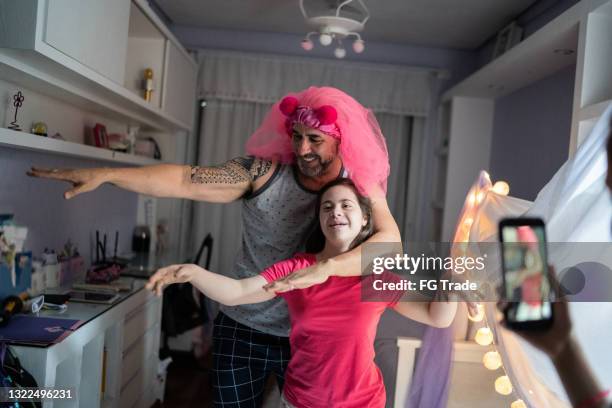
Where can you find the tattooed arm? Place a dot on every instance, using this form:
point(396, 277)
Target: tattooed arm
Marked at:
point(223, 183)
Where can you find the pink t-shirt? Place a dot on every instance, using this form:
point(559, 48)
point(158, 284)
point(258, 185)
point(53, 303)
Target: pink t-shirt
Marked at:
point(332, 341)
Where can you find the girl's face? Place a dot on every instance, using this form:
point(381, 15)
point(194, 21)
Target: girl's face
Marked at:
point(340, 215)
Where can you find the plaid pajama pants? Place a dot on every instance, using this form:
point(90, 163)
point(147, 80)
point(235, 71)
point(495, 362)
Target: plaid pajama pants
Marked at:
point(243, 359)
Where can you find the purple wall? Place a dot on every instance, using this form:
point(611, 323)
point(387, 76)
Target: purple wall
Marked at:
point(40, 206)
point(531, 132)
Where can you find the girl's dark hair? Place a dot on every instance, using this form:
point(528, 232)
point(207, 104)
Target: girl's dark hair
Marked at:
point(316, 240)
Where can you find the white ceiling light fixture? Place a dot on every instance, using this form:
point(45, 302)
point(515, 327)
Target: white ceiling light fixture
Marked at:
point(341, 20)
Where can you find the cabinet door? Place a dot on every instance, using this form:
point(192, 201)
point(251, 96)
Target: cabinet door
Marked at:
point(178, 98)
point(92, 32)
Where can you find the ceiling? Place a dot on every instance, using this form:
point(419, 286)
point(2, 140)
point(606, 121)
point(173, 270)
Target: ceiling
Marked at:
point(457, 24)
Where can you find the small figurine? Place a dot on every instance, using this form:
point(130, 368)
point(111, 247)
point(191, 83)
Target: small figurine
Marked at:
point(148, 84)
point(39, 128)
point(18, 99)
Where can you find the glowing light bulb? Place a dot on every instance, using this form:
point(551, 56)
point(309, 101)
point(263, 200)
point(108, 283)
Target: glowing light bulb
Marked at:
point(358, 46)
point(307, 44)
point(484, 336)
point(325, 39)
point(501, 187)
point(503, 385)
point(479, 197)
point(492, 360)
point(479, 313)
point(340, 52)
point(471, 199)
point(518, 404)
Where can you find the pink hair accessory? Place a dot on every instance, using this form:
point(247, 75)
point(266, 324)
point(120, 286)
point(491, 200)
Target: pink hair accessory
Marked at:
point(326, 114)
point(288, 105)
point(362, 149)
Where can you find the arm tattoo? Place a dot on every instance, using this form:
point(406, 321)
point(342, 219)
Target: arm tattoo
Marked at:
point(238, 170)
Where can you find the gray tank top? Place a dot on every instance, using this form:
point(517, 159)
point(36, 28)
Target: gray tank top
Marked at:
point(276, 220)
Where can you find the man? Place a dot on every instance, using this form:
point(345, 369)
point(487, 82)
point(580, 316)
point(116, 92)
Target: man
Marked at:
point(306, 140)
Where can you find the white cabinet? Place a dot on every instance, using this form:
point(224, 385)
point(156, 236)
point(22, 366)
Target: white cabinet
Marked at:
point(92, 54)
point(92, 32)
point(179, 95)
point(111, 360)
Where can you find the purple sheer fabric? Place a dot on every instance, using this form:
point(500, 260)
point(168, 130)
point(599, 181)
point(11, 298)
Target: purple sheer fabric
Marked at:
point(431, 379)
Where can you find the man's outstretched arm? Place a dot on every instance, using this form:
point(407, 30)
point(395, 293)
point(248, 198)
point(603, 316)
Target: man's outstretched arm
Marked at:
point(222, 183)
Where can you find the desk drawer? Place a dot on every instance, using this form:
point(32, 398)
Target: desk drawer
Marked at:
point(139, 321)
point(135, 358)
point(133, 391)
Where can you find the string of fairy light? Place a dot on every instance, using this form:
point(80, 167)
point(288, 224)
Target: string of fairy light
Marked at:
point(484, 335)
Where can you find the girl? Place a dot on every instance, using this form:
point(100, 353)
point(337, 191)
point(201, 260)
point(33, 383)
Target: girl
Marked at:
point(332, 328)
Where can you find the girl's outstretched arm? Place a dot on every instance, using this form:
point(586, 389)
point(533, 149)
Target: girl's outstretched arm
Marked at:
point(222, 289)
point(439, 313)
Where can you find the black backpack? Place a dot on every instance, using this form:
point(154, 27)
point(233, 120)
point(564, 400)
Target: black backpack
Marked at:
point(13, 375)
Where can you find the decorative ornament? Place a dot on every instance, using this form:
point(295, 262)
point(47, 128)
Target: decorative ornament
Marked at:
point(492, 360)
point(503, 385)
point(341, 20)
point(39, 128)
point(484, 336)
point(18, 99)
point(148, 84)
point(480, 313)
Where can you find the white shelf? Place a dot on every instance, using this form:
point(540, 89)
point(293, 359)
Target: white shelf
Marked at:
point(27, 141)
point(594, 111)
point(91, 91)
point(528, 62)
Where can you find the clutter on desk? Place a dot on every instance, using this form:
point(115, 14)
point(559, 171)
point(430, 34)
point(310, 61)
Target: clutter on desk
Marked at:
point(141, 239)
point(103, 271)
point(50, 268)
point(37, 330)
point(15, 263)
point(72, 265)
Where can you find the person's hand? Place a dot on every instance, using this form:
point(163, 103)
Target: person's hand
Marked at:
point(556, 338)
point(301, 279)
point(82, 180)
point(171, 274)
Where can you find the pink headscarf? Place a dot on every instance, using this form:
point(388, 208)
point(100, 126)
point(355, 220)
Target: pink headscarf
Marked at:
point(362, 145)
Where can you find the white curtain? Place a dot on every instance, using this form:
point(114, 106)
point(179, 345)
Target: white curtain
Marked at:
point(266, 78)
point(576, 207)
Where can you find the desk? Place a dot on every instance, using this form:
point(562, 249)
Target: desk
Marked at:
point(119, 342)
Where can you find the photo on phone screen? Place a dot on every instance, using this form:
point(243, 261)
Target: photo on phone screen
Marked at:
point(525, 268)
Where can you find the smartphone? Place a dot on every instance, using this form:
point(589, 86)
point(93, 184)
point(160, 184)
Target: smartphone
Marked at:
point(526, 280)
point(93, 297)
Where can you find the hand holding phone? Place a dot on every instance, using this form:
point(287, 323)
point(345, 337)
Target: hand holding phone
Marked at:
point(526, 276)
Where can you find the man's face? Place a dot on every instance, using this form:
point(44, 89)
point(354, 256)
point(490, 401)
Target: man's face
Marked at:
point(315, 151)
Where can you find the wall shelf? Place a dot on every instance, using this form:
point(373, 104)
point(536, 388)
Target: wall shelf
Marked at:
point(91, 91)
point(26, 141)
point(529, 61)
point(594, 111)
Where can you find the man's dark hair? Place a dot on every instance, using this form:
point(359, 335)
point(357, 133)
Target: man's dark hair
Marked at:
point(316, 240)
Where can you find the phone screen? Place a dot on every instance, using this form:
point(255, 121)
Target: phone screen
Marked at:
point(526, 283)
